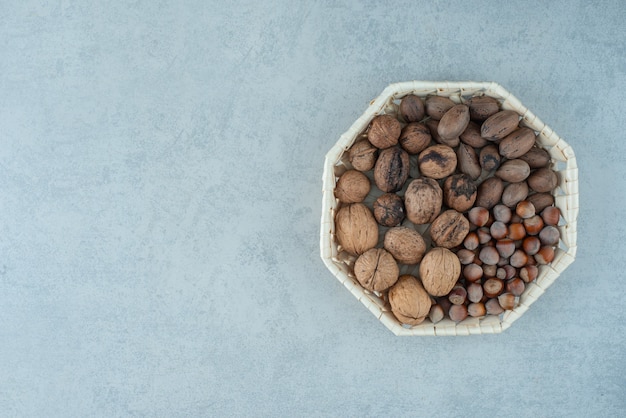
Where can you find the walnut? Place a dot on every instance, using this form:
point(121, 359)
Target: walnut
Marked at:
point(439, 270)
point(356, 228)
point(405, 244)
point(384, 131)
point(459, 192)
point(376, 270)
point(352, 187)
point(415, 137)
point(392, 169)
point(389, 209)
point(362, 155)
point(449, 229)
point(423, 199)
point(437, 161)
point(411, 108)
point(409, 301)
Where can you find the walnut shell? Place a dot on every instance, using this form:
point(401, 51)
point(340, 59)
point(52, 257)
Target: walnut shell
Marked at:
point(449, 229)
point(459, 192)
point(423, 199)
point(376, 270)
point(437, 161)
point(389, 209)
point(467, 161)
point(352, 187)
point(409, 301)
point(454, 122)
point(415, 137)
point(362, 155)
point(405, 244)
point(391, 169)
point(499, 125)
point(489, 192)
point(384, 131)
point(437, 106)
point(543, 180)
point(356, 228)
point(411, 108)
point(439, 270)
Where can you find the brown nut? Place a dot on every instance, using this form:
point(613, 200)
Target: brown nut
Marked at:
point(439, 270)
point(467, 161)
point(505, 247)
point(533, 225)
point(458, 295)
point(473, 273)
point(415, 137)
point(454, 122)
point(437, 106)
point(489, 192)
point(389, 209)
point(409, 301)
point(384, 131)
point(471, 136)
point(474, 292)
point(423, 200)
point(543, 180)
point(459, 192)
point(466, 256)
point(471, 241)
point(449, 229)
point(436, 313)
point(493, 307)
point(457, 313)
point(551, 215)
point(481, 107)
point(507, 301)
point(476, 309)
point(376, 270)
point(545, 255)
point(489, 158)
point(437, 161)
point(516, 231)
point(352, 187)
point(391, 169)
point(528, 273)
point(531, 245)
point(356, 228)
point(478, 216)
point(493, 287)
point(405, 244)
point(362, 155)
point(489, 255)
point(536, 157)
point(517, 143)
point(433, 125)
point(541, 200)
point(502, 213)
point(518, 259)
point(514, 193)
point(514, 171)
point(525, 209)
point(499, 125)
point(549, 235)
point(411, 108)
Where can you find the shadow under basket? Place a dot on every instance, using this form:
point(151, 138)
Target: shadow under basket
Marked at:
point(563, 162)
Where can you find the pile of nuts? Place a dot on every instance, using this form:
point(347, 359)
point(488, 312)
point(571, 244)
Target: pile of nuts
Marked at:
point(483, 200)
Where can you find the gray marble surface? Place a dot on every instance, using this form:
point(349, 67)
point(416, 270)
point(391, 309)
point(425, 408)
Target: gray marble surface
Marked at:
point(160, 190)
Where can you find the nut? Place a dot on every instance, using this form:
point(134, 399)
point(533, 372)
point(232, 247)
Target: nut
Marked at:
point(466, 256)
point(406, 245)
point(449, 229)
point(517, 143)
point(489, 158)
point(376, 270)
point(439, 270)
point(409, 301)
point(389, 209)
point(536, 157)
point(356, 228)
point(437, 161)
point(457, 313)
point(514, 171)
point(499, 125)
point(362, 155)
point(478, 216)
point(423, 199)
point(415, 137)
point(551, 215)
point(476, 309)
point(433, 125)
point(514, 193)
point(467, 161)
point(471, 136)
point(543, 180)
point(541, 201)
point(454, 122)
point(352, 187)
point(436, 313)
point(473, 273)
point(392, 169)
point(459, 192)
point(437, 106)
point(481, 107)
point(489, 192)
point(411, 108)
point(384, 131)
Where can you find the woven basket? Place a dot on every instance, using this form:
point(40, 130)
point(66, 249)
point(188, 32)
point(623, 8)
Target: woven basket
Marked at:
point(566, 199)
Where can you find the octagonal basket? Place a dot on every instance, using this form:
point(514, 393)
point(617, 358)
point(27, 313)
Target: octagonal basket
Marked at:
point(566, 199)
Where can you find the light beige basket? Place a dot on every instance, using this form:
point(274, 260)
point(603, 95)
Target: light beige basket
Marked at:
point(566, 198)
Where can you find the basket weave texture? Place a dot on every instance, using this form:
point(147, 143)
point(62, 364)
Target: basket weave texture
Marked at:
point(566, 199)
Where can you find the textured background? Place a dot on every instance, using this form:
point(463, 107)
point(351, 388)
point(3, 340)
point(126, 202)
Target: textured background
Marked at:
point(160, 177)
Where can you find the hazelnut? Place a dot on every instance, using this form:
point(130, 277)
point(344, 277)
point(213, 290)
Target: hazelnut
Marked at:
point(415, 137)
point(489, 255)
point(528, 273)
point(352, 187)
point(391, 169)
point(411, 108)
point(516, 231)
point(471, 241)
point(437, 161)
point(474, 292)
point(551, 215)
point(489, 270)
point(533, 225)
point(484, 236)
point(493, 307)
point(531, 245)
point(457, 295)
point(439, 270)
point(457, 313)
point(502, 213)
point(436, 313)
point(362, 155)
point(406, 245)
point(507, 301)
point(449, 229)
point(356, 229)
point(545, 255)
point(389, 209)
point(472, 272)
point(423, 199)
point(515, 286)
point(476, 309)
point(478, 216)
point(518, 258)
point(525, 209)
point(384, 131)
point(459, 192)
point(549, 235)
point(409, 301)
point(376, 270)
point(505, 247)
point(465, 256)
point(498, 230)
point(493, 287)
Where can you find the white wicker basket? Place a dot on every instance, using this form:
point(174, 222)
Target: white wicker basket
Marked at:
point(566, 199)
